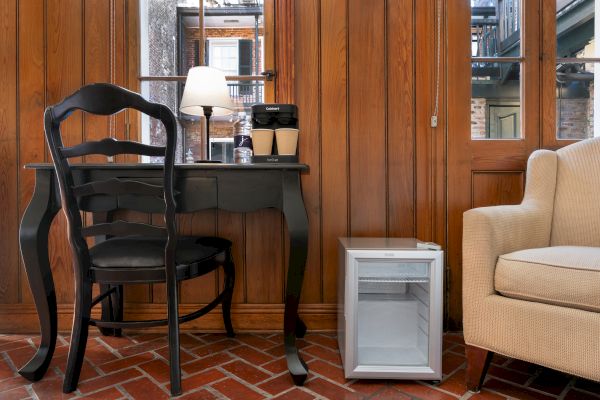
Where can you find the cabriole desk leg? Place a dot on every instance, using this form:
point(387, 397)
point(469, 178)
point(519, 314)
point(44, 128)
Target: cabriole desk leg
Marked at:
point(297, 222)
point(33, 238)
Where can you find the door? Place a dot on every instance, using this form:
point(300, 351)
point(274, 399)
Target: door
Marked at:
point(531, 85)
point(493, 59)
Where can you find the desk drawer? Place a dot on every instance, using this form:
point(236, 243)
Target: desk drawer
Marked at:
point(192, 194)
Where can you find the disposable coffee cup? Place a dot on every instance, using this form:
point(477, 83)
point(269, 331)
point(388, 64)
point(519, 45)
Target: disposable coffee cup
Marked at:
point(262, 142)
point(287, 141)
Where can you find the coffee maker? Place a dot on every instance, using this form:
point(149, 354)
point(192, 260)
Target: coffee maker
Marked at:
point(274, 116)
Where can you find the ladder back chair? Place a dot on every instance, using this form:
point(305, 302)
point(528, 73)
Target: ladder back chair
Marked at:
point(127, 252)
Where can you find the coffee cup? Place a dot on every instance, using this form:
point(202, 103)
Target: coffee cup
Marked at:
point(262, 142)
point(287, 141)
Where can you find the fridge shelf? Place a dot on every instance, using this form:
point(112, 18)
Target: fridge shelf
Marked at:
point(394, 280)
point(393, 356)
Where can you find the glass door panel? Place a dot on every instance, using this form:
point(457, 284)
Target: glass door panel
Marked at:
point(576, 54)
point(496, 100)
point(496, 69)
point(575, 100)
point(393, 313)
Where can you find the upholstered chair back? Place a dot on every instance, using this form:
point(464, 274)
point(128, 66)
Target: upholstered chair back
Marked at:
point(576, 219)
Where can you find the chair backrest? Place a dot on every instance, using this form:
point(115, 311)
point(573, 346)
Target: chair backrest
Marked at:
point(106, 99)
point(576, 219)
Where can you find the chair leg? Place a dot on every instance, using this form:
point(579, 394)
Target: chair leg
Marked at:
point(107, 311)
point(478, 362)
point(300, 327)
point(173, 317)
point(79, 334)
point(117, 307)
point(229, 269)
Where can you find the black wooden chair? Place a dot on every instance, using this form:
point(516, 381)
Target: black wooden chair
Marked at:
point(127, 252)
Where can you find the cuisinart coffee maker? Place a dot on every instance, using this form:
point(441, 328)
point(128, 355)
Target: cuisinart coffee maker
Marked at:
point(275, 116)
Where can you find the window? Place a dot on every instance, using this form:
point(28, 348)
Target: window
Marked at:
point(224, 54)
point(230, 36)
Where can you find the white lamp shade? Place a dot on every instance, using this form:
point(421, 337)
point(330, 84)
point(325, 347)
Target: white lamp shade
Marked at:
point(206, 86)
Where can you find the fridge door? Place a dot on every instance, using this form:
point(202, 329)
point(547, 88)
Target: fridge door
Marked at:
point(397, 316)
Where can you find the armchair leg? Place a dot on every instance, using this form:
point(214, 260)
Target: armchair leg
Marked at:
point(478, 362)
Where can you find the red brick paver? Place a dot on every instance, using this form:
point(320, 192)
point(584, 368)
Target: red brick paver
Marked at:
point(253, 366)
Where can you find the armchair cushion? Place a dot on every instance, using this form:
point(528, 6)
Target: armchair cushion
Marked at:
point(567, 276)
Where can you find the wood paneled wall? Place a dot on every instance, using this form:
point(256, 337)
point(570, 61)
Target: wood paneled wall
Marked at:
point(376, 166)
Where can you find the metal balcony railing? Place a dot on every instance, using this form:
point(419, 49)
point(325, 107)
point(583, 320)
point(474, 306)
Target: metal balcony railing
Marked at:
point(495, 28)
point(247, 93)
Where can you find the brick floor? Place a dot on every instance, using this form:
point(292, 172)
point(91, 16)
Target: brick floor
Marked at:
point(252, 366)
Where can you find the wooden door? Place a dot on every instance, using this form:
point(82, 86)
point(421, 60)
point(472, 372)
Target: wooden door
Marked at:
point(484, 166)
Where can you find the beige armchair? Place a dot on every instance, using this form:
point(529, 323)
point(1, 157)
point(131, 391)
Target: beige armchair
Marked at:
point(531, 272)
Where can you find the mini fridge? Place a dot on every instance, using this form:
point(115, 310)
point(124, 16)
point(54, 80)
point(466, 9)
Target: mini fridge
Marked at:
point(390, 308)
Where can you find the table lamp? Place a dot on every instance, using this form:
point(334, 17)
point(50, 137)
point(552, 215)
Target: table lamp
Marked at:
point(206, 93)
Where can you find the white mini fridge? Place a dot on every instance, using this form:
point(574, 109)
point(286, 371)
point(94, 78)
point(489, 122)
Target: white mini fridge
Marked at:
point(390, 309)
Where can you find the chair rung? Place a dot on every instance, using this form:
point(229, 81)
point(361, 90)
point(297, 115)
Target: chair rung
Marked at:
point(158, 322)
point(101, 297)
point(118, 186)
point(112, 147)
point(124, 228)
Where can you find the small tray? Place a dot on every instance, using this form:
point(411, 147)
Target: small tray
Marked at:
point(275, 159)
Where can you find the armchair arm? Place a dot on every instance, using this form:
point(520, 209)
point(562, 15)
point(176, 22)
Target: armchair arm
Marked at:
point(489, 232)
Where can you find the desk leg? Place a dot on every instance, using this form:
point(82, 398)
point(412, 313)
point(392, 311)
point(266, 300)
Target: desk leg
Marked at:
point(297, 222)
point(33, 237)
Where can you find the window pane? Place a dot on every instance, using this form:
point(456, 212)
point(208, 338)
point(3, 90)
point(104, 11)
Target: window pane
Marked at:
point(575, 101)
point(495, 28)
point(495, 101)
point(575, 28)
point(576, 82)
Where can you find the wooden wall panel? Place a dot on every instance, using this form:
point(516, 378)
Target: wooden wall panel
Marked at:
point(232, 226)
point(32, 101)
point(400, 119)
point(97, 64)
point(496, 188)
point(284, 49)
point(9, 284)
point(334, 142)
point(367, 117)
point(64, 39)
point(264, 257)
point(425, 81)
point(307, 90)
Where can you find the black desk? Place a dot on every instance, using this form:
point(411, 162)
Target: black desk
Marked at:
point(238, 188)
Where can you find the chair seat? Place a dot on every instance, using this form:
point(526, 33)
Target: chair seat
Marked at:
point(567, 276)
point(143, 252)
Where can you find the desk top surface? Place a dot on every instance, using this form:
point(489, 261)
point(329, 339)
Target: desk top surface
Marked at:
point(199, 166)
